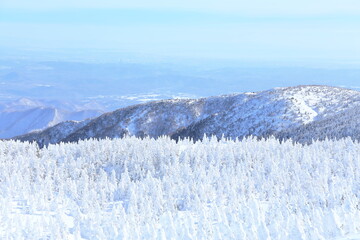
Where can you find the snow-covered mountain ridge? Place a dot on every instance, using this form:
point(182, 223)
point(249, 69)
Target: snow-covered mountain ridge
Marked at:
point(261, 114)
point(269, 112)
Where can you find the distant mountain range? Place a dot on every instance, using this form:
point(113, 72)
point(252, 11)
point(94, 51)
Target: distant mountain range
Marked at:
point(302, 113)
point(25, 115)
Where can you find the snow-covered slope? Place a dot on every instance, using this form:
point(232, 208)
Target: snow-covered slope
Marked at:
point(150, 119)
point(52, 134)
point(159, 189)
point(341, 125)
point(26, 115)
point(260, 114)
point(266, 113)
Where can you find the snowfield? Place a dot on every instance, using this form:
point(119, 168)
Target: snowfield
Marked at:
point(161, 189)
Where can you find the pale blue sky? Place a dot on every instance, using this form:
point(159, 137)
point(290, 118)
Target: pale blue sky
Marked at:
point(265, 30)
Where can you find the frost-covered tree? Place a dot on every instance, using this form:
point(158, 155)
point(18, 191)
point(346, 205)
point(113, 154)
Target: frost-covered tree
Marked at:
point(134, 188)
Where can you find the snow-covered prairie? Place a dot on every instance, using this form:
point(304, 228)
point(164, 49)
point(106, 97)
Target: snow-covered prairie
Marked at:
point(159, 189)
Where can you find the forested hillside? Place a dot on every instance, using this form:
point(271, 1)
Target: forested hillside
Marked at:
point(281, 112)
point(341, 125)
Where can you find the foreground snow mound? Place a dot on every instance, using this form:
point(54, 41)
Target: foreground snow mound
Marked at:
point(159, 189)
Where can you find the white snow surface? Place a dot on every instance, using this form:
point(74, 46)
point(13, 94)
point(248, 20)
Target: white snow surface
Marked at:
point(320, 101)
point(159, 189)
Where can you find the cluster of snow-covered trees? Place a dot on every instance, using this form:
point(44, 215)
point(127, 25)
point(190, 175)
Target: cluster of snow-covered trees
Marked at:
point(342, 125)
point(161, 189)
